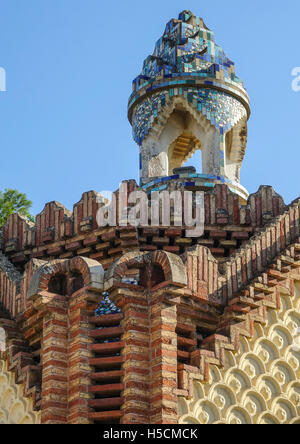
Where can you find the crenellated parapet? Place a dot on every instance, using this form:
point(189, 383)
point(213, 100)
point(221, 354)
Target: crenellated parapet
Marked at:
point(60, 234)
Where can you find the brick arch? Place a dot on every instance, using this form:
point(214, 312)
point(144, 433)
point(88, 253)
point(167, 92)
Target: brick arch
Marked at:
point(172, 266)
point(91, 271)
point(117, 270)
point(40, 280)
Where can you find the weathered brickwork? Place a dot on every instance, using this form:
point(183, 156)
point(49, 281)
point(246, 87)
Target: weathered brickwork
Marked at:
point(144, 324)
point(179, 314)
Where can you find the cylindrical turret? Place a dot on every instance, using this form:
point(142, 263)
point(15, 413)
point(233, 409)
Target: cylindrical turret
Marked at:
point(187, 98)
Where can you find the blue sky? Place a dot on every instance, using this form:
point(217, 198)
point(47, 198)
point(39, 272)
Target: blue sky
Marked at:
point(70, 64)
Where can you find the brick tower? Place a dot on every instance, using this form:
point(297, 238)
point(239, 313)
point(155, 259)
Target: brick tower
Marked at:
point(141, 324)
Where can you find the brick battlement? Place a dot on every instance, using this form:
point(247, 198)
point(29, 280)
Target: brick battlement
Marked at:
point(58, 233)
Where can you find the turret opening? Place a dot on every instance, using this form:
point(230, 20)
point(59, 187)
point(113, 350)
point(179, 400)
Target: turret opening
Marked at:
point(185, 152)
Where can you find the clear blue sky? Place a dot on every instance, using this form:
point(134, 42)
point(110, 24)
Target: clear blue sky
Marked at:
point(70, 64)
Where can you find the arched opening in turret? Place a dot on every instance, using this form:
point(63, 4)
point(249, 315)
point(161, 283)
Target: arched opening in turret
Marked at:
point(195, 161)
point(184, 134)
point(185, 142)
point(185, 151)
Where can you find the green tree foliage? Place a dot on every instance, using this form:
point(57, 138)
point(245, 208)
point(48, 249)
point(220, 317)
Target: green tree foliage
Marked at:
point(11, 201)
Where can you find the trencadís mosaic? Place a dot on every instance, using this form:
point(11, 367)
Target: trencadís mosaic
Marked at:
point(221, 109)
point(187, 46)
point(187, 62)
